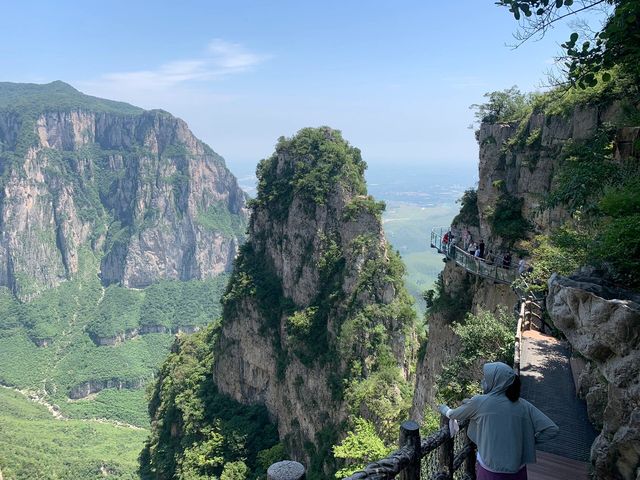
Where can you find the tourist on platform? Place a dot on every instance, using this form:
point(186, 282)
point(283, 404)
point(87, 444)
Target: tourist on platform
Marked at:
point(505, 427)
point(490, 258)
point(506, 261)
point(472, 248)
point(481, 248)
point(522, 266)
point(466, 238)
point(452, 246)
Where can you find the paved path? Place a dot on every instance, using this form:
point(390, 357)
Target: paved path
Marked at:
point(548, 384)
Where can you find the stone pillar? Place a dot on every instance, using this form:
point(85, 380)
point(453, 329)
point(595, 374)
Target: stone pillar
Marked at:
point(286, 470)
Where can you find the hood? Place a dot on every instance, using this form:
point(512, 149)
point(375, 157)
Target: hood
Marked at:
point(497, 377)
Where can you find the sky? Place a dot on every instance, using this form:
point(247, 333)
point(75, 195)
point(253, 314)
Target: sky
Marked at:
point(397, 77)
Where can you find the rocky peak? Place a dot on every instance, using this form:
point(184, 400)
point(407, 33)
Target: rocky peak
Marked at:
point(316, 298)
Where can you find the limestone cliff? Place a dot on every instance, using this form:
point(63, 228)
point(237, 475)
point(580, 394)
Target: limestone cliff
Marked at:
point(316, 305)
point(520, 169)
point(134, 186)
point(603, 326)
point(469, 294)
point(520, 159)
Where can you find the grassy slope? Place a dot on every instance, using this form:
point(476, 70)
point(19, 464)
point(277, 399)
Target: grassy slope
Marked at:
point(34, 445)
point(408, 228)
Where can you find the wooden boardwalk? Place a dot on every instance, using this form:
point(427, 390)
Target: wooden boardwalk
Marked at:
point(548, 384)
point(555, 467)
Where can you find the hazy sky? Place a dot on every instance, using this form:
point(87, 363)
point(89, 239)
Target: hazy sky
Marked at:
point(397, 77)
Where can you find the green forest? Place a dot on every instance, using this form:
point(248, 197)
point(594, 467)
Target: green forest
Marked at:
point(51, 345)
point(35, 446)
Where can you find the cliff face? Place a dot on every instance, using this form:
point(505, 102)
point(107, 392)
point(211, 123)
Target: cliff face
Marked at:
point(471, 294)
point(518, 170)
point(603, 326)
point(520, 159)
point(134, 186)
point(316, 300)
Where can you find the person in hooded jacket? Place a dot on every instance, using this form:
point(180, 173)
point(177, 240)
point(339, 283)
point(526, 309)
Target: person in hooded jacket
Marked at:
point(505, 427)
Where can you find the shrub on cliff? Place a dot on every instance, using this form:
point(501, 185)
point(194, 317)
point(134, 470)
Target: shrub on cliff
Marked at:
point(323, 159)
point(468, 214)
point(601, 194)
point(360, 447)
point(453, 304)
point(506, 218)
point(484, 337)
point(618, 241)
point(503, 106)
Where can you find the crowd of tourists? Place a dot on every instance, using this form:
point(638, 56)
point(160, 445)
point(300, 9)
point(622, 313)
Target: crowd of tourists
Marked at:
point(453, 241)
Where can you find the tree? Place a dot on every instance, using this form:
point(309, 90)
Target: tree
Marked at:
point(361, 446)
point(502, 106)
point(587, 63)
point(235, 471)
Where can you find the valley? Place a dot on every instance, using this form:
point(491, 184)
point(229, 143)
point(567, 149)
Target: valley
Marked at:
point(33, 443)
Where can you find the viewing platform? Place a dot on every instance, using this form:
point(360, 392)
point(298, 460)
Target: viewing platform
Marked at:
point(495, 271)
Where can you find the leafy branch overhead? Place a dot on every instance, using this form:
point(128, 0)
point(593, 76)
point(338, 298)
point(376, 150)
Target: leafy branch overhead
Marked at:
point(586, 61)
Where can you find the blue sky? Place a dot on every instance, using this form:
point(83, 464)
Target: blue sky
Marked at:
point(396, 77)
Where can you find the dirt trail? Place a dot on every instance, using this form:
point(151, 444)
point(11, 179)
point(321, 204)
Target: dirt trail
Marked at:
point(36, 397)
point(58, 415)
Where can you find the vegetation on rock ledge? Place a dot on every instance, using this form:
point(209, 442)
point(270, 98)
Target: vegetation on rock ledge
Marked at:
point(198, 433)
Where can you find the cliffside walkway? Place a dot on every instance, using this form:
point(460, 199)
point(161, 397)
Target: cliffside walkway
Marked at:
point(547, 382)
point(545, 372)
point(474, 265)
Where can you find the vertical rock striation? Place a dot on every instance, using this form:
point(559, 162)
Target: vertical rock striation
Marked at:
point(520, 159)
point(134, 186)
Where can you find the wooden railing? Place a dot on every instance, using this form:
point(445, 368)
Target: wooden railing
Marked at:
point(478, 266)
point(438, 457)
point(530, 317)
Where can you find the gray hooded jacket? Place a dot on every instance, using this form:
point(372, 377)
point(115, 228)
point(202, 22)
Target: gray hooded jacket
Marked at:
point(505, 432)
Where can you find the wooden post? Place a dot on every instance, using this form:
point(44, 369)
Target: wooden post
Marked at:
point(445, 452)
point(286, 470)
point(410, 436)
point(470, 461)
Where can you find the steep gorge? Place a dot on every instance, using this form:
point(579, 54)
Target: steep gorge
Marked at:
point(317, 325)
point(539, 178)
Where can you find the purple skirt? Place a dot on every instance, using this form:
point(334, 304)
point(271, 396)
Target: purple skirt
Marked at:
point(484, 474)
